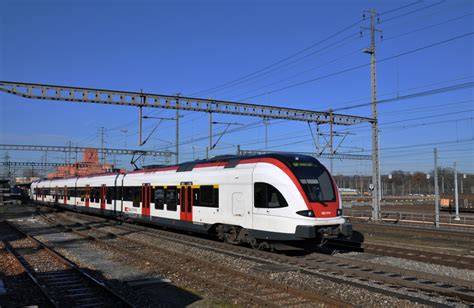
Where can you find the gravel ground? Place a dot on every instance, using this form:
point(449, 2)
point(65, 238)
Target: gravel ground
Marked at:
point(345, 293)
point(21, 289)
point(36, 256)
point(413, 265)
point(107, 265)
point(114, 262)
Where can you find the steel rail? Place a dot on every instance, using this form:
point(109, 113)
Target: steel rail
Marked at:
point(29, 273)
point(329, 265)
point(460, 262)
point(417, 231)
point(139, 99)
point(112, 297)
point(257, 290)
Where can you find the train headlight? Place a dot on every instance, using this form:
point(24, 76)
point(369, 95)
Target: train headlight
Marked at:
point(307, 213)
point(339, 212)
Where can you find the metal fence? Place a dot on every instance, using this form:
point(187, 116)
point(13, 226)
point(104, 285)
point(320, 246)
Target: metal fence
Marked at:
point(465, 221)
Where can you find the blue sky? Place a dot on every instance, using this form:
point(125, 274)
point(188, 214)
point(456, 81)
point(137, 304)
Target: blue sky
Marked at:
point(189, 46)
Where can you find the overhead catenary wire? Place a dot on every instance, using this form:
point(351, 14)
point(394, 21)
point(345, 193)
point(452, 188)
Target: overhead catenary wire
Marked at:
point(361, 66)
point(356, 51)
point(300, 52)
point(281, 60)
point(413, 11)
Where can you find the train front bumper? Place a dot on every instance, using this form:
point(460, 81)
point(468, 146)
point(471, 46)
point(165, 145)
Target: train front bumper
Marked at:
point(308, 232)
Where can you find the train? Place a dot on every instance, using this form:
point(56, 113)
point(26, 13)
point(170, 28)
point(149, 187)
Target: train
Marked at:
point(256, 200)
point(465, 203)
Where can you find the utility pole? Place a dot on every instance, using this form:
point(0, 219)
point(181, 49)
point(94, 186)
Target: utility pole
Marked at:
point(177, 128)
point(436, 188)
point(102, 144)
point(375, 137)
point(456, 196)
point(317, 138)
point(442, 184)
point(162, 119)
point(330, 139)
point(210, 130)
point(266, 121)
point(142, 98)
point(69, 152)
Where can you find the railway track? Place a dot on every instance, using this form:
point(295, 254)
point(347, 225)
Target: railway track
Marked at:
point(451, 237)
point(254, 289)
point(60, 280)
point(377, 278)
point(460, 262)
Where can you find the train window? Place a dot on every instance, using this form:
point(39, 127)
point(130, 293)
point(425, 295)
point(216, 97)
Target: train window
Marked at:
point(136, 196)
point(126, 193)
point(315, 180)
point(267, 196)
point(95, 194)
point(80, 192)
point(171, 198)
point(159, 197)
point(109, 194)
point(207, 196)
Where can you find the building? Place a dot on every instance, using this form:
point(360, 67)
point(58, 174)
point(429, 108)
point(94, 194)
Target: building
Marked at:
point(88, 165)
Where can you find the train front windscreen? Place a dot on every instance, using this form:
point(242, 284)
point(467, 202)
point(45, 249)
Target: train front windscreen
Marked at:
point(315, 181)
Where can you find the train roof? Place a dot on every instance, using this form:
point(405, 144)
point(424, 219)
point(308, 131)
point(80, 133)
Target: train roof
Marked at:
point(230, 161)
point(227, 161)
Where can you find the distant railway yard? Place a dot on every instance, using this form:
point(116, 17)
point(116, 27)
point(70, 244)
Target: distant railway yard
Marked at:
point(139, 265)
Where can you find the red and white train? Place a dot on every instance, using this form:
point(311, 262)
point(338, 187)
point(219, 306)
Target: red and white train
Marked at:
point(250, 199)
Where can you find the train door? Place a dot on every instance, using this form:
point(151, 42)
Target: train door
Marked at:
point(146, 197)
point(238, 206)
point(87, 192)
point(186, 202)
point(65, 194)
point(103, 193)
point(56, 194)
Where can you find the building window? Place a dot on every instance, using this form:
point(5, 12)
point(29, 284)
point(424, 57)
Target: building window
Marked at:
point(267, 196)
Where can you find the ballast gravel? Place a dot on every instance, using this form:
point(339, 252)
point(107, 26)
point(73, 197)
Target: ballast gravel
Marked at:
point(447, 271)
point(348, 294)
point(297, 279)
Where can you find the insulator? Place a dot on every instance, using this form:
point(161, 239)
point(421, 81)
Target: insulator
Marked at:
point(381, 37)
point(363, 16)
point(378, 20)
